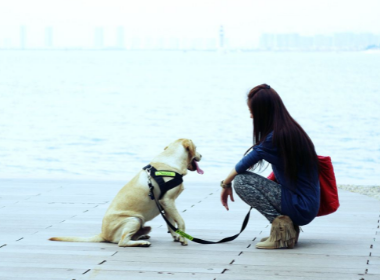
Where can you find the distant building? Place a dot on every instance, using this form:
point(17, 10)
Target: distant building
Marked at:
point(23, 37)
point(267, 41)
point(49, 37)
point(282, 42)
point(221, 37)
point(174, 43)
point(120, 44)
point(7, 43)
point(136, 43)
point(343, 41)
point(99, 38)
point(305, 43)
point(323, 42)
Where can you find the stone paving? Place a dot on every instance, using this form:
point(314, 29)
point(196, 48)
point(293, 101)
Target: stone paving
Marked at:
point(344, 245)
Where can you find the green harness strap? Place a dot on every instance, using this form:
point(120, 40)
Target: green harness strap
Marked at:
point(164, 186)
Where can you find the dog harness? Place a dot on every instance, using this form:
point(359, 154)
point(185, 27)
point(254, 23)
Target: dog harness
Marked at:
point(158, 175)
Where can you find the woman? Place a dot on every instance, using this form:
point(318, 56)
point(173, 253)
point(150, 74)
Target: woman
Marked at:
point(281, 141)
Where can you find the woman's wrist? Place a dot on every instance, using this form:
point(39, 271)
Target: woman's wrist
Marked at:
point(227, 183)
point(225, 186)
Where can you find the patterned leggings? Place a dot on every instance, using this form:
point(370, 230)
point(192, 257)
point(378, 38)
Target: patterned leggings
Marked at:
point(259, 192)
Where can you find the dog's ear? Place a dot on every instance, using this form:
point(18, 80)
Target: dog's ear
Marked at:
point(189, 146)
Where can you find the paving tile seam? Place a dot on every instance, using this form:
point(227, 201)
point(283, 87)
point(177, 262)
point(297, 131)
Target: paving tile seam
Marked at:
point(83, 212)
point(179, 274)
point(30, 196)
point(24, 237)
point(198, 202)
point(371, 247)
point(228, 266)
point(54, 224)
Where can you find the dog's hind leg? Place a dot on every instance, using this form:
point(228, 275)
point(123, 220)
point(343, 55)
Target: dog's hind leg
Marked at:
point(142, 233)
point(131, 226)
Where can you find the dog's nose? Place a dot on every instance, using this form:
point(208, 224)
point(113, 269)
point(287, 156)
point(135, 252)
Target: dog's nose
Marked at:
point(200, 156)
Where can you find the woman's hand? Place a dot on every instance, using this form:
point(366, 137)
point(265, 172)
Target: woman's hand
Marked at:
point(226, 192)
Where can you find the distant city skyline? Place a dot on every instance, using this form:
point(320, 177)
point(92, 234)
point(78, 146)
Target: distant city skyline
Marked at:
point(346, 41)
point(180, 22)
point(100, 38)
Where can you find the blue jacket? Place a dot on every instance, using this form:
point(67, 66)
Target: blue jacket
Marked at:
point(300, 201)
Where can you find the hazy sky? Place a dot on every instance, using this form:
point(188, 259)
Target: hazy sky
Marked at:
point(242, 19)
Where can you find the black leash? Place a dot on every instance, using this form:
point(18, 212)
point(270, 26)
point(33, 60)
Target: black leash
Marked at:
point(184, 234)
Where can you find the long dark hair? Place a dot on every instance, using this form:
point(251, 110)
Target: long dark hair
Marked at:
point(293, 144)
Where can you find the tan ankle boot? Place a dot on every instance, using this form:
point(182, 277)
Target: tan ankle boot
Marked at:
point(282, 234)
point(297, 229)
point(264, 239)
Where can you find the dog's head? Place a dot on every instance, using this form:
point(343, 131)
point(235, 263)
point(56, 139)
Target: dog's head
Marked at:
point(193, 156)
point(186, 149)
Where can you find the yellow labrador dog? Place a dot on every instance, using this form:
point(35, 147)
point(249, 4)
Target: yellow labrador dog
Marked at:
point(124, 220)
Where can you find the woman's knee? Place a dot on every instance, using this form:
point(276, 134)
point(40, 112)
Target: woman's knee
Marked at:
point(239, 183)
point(238, 180)
point(246, 179)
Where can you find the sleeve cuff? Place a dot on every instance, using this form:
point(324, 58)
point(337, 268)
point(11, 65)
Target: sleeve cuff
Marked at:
point(249, 160)
point(239, 168)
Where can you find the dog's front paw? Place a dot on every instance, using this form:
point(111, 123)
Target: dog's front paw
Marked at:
point(175, 237)
point(134, 244)
point(183, 241)
point(145, 244)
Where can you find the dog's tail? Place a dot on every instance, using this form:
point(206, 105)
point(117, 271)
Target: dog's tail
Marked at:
point(95, 238)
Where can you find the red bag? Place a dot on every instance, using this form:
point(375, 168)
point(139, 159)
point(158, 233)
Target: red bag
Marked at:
point(329, 192)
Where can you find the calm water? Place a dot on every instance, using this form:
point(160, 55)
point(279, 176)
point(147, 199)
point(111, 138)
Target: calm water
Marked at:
point(105, 114)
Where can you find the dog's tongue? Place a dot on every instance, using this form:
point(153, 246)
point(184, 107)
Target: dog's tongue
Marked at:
point(200, 171)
